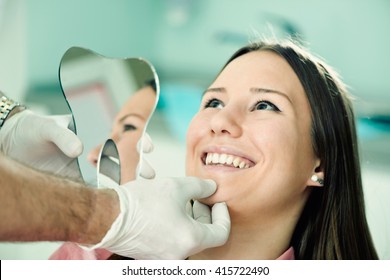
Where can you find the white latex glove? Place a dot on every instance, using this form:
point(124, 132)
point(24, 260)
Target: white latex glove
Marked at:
point(144, 168)
point(43, 142)
point(200, 212)
point(154, 224)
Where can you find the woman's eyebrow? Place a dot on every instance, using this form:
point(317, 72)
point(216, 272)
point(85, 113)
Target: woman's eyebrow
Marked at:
point(219, 89)
point(253, 90)
point(131, 115)
point(267, 90)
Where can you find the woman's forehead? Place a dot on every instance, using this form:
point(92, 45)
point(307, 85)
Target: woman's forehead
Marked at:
point(262, 69)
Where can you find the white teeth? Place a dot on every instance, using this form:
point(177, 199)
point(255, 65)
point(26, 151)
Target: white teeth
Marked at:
point(209, 159)
point(236, 162)
point(229, 160)
point(224, 159)
point(215, 158)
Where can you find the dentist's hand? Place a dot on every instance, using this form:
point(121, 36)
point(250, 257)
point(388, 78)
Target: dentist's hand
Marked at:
point(154, 224)
point(43, 142)
point(200, 212)
point(144, 169)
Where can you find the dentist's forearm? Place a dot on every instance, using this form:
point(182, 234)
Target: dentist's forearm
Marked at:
point(36, 206)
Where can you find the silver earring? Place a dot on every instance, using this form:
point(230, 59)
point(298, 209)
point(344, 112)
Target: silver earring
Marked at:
point(318, 180)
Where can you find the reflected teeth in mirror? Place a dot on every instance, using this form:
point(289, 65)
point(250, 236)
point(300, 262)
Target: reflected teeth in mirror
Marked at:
point(224, 159)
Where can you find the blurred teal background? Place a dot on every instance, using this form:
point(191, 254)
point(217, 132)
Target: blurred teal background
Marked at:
point(188, 41)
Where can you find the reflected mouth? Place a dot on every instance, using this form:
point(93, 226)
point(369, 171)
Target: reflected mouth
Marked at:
point(223, 159)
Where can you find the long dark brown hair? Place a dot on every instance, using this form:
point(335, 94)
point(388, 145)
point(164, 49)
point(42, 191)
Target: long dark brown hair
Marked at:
point(333, 224)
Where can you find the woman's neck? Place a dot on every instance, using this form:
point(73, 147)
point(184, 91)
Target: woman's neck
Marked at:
point(267, 239)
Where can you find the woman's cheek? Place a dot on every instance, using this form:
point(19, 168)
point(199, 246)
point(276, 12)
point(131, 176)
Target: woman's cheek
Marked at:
point(190, 145)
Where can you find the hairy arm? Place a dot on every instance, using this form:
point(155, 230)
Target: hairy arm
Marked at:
point(36, 206)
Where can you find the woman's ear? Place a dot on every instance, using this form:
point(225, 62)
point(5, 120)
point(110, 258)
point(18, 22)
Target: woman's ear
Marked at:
point(317, 177)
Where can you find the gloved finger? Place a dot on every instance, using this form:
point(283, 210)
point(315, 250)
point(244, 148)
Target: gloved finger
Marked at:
point(63, 138)
point(195, 188)
point(145, 170)
point(217, 233)
point(201, 212)
point(189, 209)
point(146, 142)
point(61, 120)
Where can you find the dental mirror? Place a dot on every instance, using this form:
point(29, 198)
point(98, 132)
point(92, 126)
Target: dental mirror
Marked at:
point(108, 98)
point(108, 166)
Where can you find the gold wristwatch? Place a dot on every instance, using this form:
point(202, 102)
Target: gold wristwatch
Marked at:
point(7, 106)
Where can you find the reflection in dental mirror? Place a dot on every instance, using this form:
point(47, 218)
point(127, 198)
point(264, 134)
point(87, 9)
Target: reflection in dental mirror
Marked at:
point(109, 98)
point(108, 166)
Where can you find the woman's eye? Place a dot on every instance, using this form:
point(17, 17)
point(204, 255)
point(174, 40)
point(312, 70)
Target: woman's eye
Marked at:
point(129, 127)
point(266, 105)
point(214, 103)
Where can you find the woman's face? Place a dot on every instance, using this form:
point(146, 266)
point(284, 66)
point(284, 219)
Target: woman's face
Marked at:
point(252, 136)
point(127, 130)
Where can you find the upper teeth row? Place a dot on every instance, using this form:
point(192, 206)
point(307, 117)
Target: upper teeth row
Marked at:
point(214, 158)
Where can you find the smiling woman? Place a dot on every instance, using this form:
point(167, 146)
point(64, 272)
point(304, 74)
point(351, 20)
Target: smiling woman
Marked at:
point(276, 132)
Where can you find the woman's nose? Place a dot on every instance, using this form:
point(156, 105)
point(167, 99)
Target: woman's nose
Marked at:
point(226, 122)
point(93, 155)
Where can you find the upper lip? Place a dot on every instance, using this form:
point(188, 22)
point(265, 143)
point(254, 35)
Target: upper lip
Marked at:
point(226, 150)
